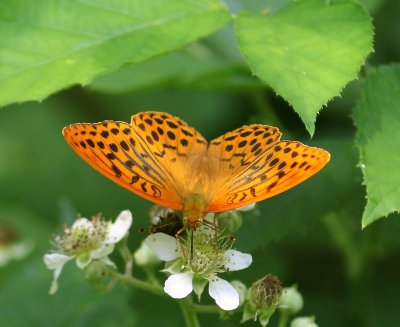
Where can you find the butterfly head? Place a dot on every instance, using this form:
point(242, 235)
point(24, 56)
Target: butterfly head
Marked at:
point(194, 210)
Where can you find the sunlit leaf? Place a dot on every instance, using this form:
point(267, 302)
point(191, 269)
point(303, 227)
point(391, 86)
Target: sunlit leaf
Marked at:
point(308, 51)
point(49, 45)
point(377, 118)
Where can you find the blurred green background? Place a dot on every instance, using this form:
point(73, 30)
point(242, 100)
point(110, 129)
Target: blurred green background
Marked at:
point(310, 235)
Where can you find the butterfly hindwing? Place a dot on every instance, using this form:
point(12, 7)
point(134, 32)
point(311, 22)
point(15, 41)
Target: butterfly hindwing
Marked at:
point(279, 167)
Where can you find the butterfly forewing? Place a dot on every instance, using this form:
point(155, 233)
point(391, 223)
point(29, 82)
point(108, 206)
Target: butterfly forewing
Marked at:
point(135, 156)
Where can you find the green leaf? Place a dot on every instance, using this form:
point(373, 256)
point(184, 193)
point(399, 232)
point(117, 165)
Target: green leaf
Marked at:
point(193, 68)
point(50, 45)
point(377, 118)
point(308, 51)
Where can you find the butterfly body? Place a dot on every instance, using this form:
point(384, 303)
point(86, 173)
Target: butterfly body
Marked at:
point(162, 159)
point(194, 210)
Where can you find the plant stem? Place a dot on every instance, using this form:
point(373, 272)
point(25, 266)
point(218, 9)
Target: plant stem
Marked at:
point(127, 256)
point(189, 314)
point(283, 318)
point(345, 243)
point(208, 309)
point(155, 289)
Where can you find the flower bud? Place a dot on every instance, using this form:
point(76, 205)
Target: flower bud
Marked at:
point(265, 292)
point(303, 322)
point(291, 300)
point(262, 299)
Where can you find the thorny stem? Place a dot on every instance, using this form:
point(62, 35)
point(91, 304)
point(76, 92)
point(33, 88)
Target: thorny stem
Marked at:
point(189, 314)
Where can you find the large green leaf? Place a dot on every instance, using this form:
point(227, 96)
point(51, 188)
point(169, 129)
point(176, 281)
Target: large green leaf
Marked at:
point(377, 118)
point(47, 45)
point(186, 69)
point(308, 51)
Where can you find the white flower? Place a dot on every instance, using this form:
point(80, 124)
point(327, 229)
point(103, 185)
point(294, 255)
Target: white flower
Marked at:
point(85, 241)
point(199, 264)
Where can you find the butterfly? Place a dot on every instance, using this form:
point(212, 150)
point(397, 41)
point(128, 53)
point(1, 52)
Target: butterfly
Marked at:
point(162, 159)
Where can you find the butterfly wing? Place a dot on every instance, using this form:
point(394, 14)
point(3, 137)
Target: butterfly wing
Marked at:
point(255, 165)
point(140, 156)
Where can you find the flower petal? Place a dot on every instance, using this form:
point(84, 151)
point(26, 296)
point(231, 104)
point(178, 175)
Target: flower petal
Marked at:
point(102, 251)
point(53, 260)
point(180, 285)
point(236, 260)
point(56, 262)
point(224, 294)
point(119, 228)
point(164, 246)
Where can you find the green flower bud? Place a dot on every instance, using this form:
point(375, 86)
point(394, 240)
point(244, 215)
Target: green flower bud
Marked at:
point(291, 300)
point(303, 322)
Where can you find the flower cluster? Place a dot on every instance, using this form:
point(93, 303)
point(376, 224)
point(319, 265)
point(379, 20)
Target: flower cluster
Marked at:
point(85, 241)
point(196, 261)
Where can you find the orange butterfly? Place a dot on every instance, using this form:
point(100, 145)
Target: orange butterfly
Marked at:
point(160, 158)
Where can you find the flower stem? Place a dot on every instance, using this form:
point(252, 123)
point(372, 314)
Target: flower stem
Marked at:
point(126, 255)
point(283, 318)
point(189, 314)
